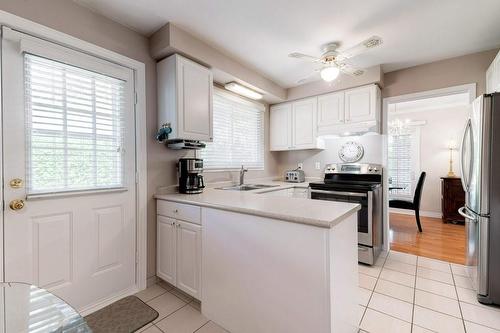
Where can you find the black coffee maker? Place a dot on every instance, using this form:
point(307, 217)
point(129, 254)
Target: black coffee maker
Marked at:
point(190, 175)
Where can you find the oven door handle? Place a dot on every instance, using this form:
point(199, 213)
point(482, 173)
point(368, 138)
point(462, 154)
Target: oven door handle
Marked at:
point(346, 194)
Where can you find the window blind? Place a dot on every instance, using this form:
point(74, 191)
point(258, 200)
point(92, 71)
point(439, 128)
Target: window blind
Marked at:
point(238, 134)
point(74, 130)
point(401, 161)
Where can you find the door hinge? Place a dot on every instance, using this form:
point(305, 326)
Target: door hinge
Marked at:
point(137, 177)
point(135, 98)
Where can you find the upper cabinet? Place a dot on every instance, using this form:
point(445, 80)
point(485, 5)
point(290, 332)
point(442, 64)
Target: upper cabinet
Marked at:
point(493, 76)
point(185, 98)
point(355, 110)
point(293, 126)
point(302, 123)
point(281, 127)
point(361, 104)
point(331, 109)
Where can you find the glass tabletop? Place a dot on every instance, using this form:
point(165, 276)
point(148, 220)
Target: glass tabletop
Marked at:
point(26, 308)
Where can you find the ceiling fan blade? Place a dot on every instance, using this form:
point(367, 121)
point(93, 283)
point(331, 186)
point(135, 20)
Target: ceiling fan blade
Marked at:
point(350, 70)
point(364, 46)
point(298, 55)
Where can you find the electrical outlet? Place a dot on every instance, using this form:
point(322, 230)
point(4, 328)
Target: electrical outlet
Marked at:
point(317, 165)
point(300, 165)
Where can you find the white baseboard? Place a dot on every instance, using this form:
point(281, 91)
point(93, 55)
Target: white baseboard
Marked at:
point(107, 301)
point(425, 213)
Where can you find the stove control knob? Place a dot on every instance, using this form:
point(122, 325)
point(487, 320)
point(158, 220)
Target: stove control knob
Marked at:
point(375, 170)
point(369, 169)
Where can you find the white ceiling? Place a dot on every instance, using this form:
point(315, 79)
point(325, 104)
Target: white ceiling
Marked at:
point(261, 33)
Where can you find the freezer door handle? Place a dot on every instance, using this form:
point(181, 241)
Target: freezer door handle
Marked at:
point(466, 175)
point(462, 211)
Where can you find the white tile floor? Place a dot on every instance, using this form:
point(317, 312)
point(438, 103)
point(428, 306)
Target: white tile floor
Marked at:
point(400, 293)
point(405, 293)
point(179, 313)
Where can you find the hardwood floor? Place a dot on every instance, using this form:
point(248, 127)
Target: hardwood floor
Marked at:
point(438, 240)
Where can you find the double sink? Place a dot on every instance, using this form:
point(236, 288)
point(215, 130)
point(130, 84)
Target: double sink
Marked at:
point(246, 187)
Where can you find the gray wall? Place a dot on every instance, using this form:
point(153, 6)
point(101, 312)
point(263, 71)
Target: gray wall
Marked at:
point(469, 68)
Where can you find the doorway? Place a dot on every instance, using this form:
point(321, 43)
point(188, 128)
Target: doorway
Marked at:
point(423, 137)
point(69, 162)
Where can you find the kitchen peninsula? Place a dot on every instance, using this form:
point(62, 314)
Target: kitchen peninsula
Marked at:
point(261, 262)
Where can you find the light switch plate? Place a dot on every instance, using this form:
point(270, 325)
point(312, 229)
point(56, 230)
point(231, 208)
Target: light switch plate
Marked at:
point(317, 165)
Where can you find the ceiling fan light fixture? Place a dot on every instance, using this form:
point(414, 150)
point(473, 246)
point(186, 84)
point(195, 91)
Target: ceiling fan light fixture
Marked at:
point(329, 73)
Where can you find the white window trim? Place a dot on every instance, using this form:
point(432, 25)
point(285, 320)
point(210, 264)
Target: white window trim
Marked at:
point(242, 100)
point(139, 68)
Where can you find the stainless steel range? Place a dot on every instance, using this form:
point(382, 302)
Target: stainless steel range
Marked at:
point(357, 183)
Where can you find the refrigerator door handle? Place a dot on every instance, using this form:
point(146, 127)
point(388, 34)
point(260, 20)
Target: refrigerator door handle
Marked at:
point(465, 181)
point(462, 211)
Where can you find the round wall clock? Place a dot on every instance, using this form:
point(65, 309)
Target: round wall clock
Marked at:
point(351, 152)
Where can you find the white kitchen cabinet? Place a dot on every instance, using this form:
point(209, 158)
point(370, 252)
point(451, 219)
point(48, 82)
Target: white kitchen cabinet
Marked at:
point(304, 124)
point(489, 78)
point(493, 76)
point(166, 249)
point(361, 104)
point(189, 258)
point(185, 91)
point(293, 126)
point(330, 110)
point(179, 246)
point(281, 127)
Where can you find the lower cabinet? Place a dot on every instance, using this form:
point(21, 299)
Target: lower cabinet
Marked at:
point(179, 254)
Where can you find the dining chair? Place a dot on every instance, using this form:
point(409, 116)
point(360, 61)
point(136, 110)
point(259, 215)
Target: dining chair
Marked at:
point(415, 203)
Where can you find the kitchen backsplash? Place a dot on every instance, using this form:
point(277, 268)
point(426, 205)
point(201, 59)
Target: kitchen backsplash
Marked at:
point(373, 153)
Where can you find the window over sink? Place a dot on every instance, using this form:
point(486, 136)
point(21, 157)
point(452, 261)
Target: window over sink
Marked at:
point(238, 134)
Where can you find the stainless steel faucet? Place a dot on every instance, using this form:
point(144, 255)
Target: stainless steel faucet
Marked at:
point(242, 175)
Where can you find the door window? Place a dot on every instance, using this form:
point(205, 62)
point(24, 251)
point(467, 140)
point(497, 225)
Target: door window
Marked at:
point(74, 128)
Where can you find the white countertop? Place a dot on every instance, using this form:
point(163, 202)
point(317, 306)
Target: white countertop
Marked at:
point(318, 213)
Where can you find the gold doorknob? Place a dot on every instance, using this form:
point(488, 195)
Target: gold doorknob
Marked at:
point(16, 204)
point(16, 183)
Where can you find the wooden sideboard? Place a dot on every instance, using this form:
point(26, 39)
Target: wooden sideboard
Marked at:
point(452, 198)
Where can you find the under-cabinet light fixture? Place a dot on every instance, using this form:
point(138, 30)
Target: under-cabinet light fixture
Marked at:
point(242, 90)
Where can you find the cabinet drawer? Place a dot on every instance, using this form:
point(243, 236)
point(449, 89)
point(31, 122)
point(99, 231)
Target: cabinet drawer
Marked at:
point(179, 211)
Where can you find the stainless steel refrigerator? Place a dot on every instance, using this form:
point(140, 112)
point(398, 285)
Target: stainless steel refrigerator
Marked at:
point(480, 173)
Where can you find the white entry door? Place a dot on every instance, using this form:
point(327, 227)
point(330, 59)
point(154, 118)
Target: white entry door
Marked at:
point(69, 171)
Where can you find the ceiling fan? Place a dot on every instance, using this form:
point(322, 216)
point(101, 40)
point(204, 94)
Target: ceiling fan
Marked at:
point(333, 62)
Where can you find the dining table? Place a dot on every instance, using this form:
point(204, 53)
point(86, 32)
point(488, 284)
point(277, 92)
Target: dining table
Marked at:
point(28, 308)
